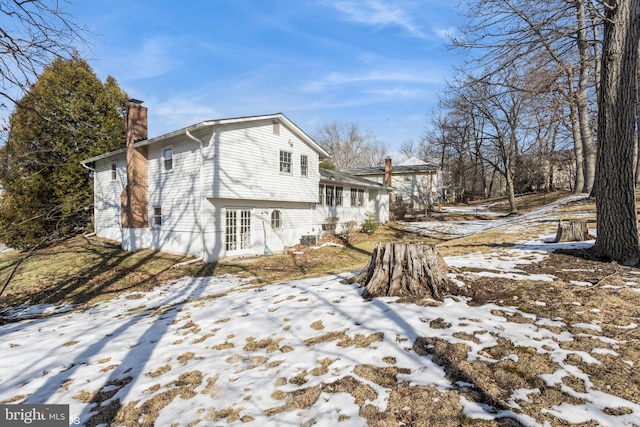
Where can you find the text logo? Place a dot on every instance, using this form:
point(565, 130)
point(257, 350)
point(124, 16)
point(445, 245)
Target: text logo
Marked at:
point(34, 415)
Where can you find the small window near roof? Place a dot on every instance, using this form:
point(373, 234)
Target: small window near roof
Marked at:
point(276, 220)
point(167, 155)
point(114, 170)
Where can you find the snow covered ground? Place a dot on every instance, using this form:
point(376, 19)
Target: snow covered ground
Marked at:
point(222, 351)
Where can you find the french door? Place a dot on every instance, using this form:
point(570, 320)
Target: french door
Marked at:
point(237, 231)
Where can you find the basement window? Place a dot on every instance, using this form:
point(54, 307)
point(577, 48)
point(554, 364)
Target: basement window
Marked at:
point(157, 216)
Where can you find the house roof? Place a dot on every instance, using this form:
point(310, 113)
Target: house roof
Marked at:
point(332, 176)
point(402, 169)
point(280, 117)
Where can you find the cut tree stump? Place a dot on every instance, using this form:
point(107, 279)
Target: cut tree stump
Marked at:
point(413, 270)
point(572, 231)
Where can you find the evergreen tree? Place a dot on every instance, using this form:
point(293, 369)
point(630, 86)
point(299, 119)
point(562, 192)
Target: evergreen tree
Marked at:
point(67, 115)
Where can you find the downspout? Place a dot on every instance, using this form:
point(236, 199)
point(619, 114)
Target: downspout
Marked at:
point(201, 191)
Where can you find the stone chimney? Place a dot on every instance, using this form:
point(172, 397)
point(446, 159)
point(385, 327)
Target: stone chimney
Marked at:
point(135, 213)
point(387, 177)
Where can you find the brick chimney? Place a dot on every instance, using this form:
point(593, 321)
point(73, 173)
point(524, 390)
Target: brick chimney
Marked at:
point(135, 213)
point(387, 177)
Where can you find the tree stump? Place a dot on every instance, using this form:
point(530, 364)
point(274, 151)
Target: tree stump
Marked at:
point(572, 231)
point(412, 270)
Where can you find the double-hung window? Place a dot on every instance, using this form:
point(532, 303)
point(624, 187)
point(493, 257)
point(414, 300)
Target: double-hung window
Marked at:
point(285, 162)
point(167, 156)
point(157, 216)
point(330, 195)
point(114, 170)
point(304, 165)
point(357, 197)
point(339, 191)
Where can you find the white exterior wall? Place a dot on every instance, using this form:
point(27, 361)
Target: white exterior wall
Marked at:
point(296, 222)
point(376, 206)
point(244, 163)
point(416, 189)
point(177, 193)
point(107, 218)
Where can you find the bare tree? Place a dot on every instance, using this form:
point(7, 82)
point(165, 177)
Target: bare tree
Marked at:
point(32, 34)
point(349, 147)
point(511, 32)
point(617, 223)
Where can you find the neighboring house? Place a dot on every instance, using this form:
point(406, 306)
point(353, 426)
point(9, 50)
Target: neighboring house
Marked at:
point(237, 186)
point(414, 182)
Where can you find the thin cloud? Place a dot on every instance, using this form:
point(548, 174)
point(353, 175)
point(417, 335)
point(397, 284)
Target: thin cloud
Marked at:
point(335, 79)
point(377, 12)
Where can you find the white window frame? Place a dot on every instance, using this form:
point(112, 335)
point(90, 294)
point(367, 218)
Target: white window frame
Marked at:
point(357, 197)
point(167, 162)
point(157, 216)
point(304, 165)
point(276, 219)
point(339, 195)
point(286, 162)
point(330, 195)
point(114, 170)
point(321, 196)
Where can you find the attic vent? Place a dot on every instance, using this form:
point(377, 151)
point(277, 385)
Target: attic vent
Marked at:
point(276, 127)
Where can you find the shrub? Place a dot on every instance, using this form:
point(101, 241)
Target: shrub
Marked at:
point(370, 225)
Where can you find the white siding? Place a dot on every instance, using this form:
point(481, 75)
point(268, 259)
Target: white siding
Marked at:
point(244, 163)
point(376, 207)
point(296, 221)
point(107, 197)
point(177, 193)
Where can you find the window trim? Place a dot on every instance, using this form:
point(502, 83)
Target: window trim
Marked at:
point(157, 216)
point(357, 197)
point(304, 165)
point(166, 160)
point(288, 166)
point(276, 219)
point(114, 170)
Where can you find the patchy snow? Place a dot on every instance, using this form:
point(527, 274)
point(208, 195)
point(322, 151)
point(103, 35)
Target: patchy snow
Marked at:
point(243, 340)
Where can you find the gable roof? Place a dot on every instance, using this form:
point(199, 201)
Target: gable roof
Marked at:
point(280, 117)
point(332, 176)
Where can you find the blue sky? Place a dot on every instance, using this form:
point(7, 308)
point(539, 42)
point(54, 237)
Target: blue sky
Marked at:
point(380, 64)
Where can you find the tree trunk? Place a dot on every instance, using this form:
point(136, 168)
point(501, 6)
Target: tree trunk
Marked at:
point(572, 231)
point(589, 148)
point(617, 225)
point(577, 140)
point(408, 270)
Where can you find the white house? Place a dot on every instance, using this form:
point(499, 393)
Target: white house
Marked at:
point(219, 188)
point(414, 182)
